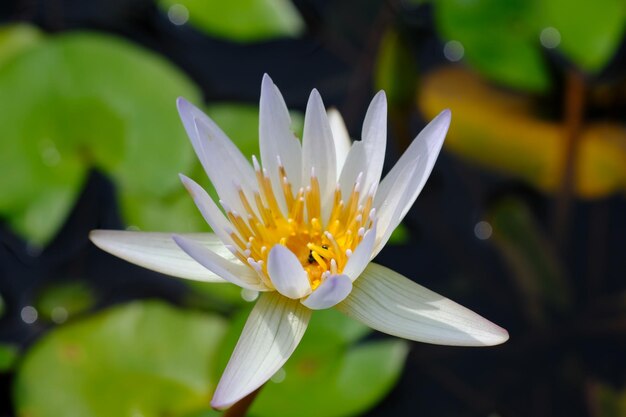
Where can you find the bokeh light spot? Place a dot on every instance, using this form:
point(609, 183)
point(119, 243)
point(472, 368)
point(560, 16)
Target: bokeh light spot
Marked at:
point(483, 230)
point(453, 51)
point(59, 315)
point(178, 14)
point(29, 314)
point(279, 376)
point(550, 37)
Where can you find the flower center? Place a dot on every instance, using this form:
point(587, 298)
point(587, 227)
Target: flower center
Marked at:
point(322, 246)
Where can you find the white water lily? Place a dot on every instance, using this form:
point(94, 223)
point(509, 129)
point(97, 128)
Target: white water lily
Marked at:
point(302, 227)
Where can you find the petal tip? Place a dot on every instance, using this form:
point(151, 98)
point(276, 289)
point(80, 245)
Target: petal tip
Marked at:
point(221, 403)
point(500, 335)
point(315, 97)
point(381, 95)
point(445, 114)
point(182, 104)
point(95, 236)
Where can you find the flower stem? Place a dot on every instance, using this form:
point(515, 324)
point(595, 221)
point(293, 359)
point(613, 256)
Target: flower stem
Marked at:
point(240, 408)
point(574, 109)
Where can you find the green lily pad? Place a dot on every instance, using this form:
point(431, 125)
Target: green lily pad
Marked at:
point(176, 211)
point(17, 38)
point(8, 357)
point(143, 358)
point(592, 44)
point(101, 102)
point(238, 20)
point(322, 376)
point(500, 39)
point(64, 300)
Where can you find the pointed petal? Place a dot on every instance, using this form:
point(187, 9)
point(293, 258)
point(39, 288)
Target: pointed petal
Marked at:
point(209, 210)
point(236, 273)
point(390, 208)
point(225, 165)
point(356, 163)
point(276, 139)
point(341, 137)
point(374, 138)
point(287, 274)
point(361, 255)
point(318, 150)
point(393, 304)
point(273, 330)
point(367, 156)
point(332, 291)
point(399, 189)
point(159, 252)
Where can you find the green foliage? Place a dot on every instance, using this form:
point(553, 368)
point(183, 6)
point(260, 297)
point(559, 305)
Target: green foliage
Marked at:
point(241, 20)
point(8, 357)
point(61, 301)
point(395, 72)
point(15, 39)
point(502, 38)
point(143, 358)
point(591, 31)
point(499, 38)
point(100, 102)
point(324, 371)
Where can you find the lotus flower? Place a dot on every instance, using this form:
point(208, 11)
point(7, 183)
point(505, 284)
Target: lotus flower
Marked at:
point(302, 227)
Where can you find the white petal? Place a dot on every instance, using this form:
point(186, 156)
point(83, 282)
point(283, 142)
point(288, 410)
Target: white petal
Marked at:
point(422, 154)
point(236, 273)
point(223, 162)
point(341, 137)
point(389, 209)
point(374, 138)
point(318, 150)
point(361, 255)
point(332, 291)
point(158, 252)
point(356, 163)
point(209, 210)
point(276, 139)
point(391, 303)
point(287, 274)
point(271, 334)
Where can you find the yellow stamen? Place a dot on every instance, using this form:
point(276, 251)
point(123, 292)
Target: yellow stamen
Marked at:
point(321, 246)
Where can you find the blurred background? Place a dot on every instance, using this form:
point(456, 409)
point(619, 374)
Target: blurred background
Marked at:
point(523, 219)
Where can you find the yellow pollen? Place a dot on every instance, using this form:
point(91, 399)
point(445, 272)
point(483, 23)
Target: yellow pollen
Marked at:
point(321, 245)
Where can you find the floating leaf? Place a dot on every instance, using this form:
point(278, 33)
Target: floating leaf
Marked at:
point(101, 101)
point(8, 357)
point(60, 301)
point(239, 20)
point(143, 358)
point(592, 44)
point(500, 39)
point(15, 39)
point(323, 370)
